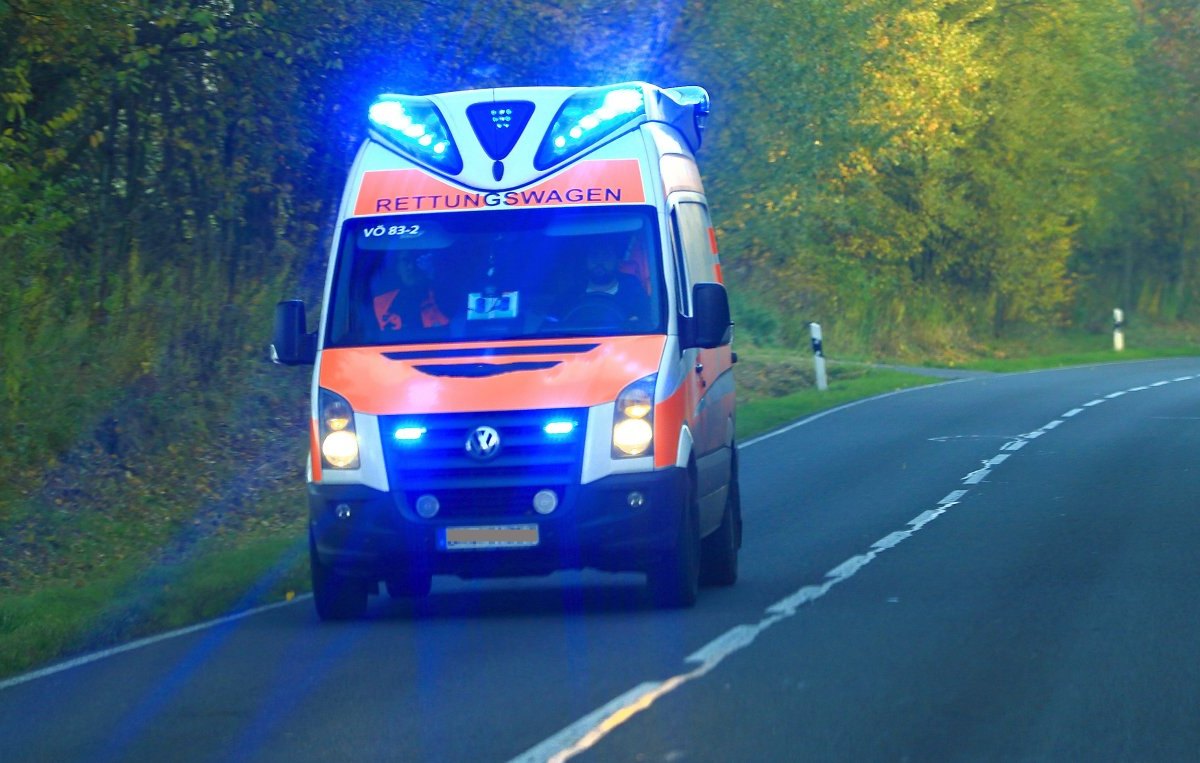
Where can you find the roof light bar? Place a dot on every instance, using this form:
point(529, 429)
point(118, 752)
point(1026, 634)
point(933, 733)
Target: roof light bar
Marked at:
point(586, 118)
point(414, 125)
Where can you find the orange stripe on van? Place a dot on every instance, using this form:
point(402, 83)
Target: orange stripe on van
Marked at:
point(668, 423)
point(314, 450)
point(712, 243)
point(598, 181)
point(374, 383)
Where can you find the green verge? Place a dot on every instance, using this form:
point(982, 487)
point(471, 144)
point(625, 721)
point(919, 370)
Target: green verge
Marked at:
point(58, 620)
point(756, 417)
point(1063, 360)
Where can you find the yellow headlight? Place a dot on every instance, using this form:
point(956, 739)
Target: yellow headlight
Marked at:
point(633, 436)
point(340, 449)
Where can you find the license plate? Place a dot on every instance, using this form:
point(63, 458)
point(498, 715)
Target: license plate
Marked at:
point(501, 536)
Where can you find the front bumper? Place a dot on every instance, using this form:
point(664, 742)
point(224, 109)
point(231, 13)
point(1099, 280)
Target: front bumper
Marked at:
point(368, 533)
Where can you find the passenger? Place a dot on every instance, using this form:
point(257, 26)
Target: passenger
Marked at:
point(402, 297)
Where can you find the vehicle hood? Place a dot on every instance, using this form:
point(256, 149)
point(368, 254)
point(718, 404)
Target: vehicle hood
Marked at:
point(518, 375)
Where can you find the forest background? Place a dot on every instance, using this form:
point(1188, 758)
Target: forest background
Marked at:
point(923, 177)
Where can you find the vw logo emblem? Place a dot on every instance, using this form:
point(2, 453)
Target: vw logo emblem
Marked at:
point(483, 443)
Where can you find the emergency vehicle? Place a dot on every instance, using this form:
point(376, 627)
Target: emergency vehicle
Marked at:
point(523, 360)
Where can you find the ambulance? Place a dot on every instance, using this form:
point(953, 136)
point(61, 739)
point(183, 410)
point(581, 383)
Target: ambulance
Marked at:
point(523, 361)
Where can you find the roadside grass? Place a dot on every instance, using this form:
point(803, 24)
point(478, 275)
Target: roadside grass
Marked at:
point(846, 384)
point(50, 622)
point(1032, 349)
point(131, 601)
point(131, 588)
point(1078, 358)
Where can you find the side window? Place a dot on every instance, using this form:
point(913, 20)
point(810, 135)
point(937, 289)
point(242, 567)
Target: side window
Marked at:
point(693, 245)
point(682, 290)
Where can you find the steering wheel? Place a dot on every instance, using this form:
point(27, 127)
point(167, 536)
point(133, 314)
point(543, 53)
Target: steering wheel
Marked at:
point(595, 310)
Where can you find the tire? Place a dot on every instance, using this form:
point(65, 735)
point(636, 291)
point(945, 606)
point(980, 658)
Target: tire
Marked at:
point(674, 581)
point(719, 551)
point(410, 584)
point(336, 596)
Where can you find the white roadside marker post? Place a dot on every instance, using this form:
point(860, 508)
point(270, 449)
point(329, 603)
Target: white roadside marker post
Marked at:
point(818, 356)
point(1118, 329)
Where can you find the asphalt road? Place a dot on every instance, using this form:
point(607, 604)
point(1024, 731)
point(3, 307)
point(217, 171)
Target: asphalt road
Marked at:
point(996, 568)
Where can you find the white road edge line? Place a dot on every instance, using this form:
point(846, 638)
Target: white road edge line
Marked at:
point(94, 656)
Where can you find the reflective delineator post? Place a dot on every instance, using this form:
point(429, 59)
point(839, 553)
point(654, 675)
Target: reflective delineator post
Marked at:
point(818, 356)
point(1118, 329)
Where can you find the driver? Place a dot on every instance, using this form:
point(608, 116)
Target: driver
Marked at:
point(606, 280)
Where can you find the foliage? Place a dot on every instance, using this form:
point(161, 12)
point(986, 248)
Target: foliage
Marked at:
point(967, 164)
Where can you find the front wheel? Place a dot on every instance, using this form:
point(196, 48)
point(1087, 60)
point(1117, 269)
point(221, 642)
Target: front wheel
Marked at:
point(337, 597)
point(674, 580)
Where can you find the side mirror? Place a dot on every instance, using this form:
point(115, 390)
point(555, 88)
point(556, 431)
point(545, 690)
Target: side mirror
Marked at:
point(291, 344)
point(710, 325)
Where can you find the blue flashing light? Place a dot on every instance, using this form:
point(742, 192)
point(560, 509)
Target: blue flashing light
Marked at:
point(586, 118)
point(559, 428)
point(409, 434)
point(414, 125)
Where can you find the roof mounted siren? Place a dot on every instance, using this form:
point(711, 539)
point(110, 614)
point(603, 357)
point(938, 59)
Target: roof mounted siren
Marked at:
point(414, 126)
point(589, 116)
point(592, 115)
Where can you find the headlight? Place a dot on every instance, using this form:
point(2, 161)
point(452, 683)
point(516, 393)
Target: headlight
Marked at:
point(633, 419)
point(339, 442)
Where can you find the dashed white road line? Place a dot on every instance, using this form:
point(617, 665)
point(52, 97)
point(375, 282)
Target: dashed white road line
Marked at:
point(587, 731)
point(975, 477)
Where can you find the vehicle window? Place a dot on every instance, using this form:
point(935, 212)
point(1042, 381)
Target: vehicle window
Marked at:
point(693, 222)
point(682, 291)
point(504, 274)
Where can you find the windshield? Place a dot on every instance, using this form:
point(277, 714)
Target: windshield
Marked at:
point(503, 274)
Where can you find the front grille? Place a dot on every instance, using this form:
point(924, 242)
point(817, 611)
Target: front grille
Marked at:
point(439, 464)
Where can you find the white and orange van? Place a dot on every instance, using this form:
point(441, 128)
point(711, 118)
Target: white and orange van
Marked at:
point(523, 360)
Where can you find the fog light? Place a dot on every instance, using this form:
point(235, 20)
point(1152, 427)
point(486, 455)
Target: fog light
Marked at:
point(343, 511)
point(545, 501)
point(635, 500)
point(428, 506)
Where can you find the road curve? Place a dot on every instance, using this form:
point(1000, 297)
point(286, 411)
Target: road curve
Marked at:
point(1000, 567)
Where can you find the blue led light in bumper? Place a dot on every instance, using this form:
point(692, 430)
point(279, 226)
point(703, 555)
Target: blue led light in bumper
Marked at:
point(559, 428)
point(409, 434)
